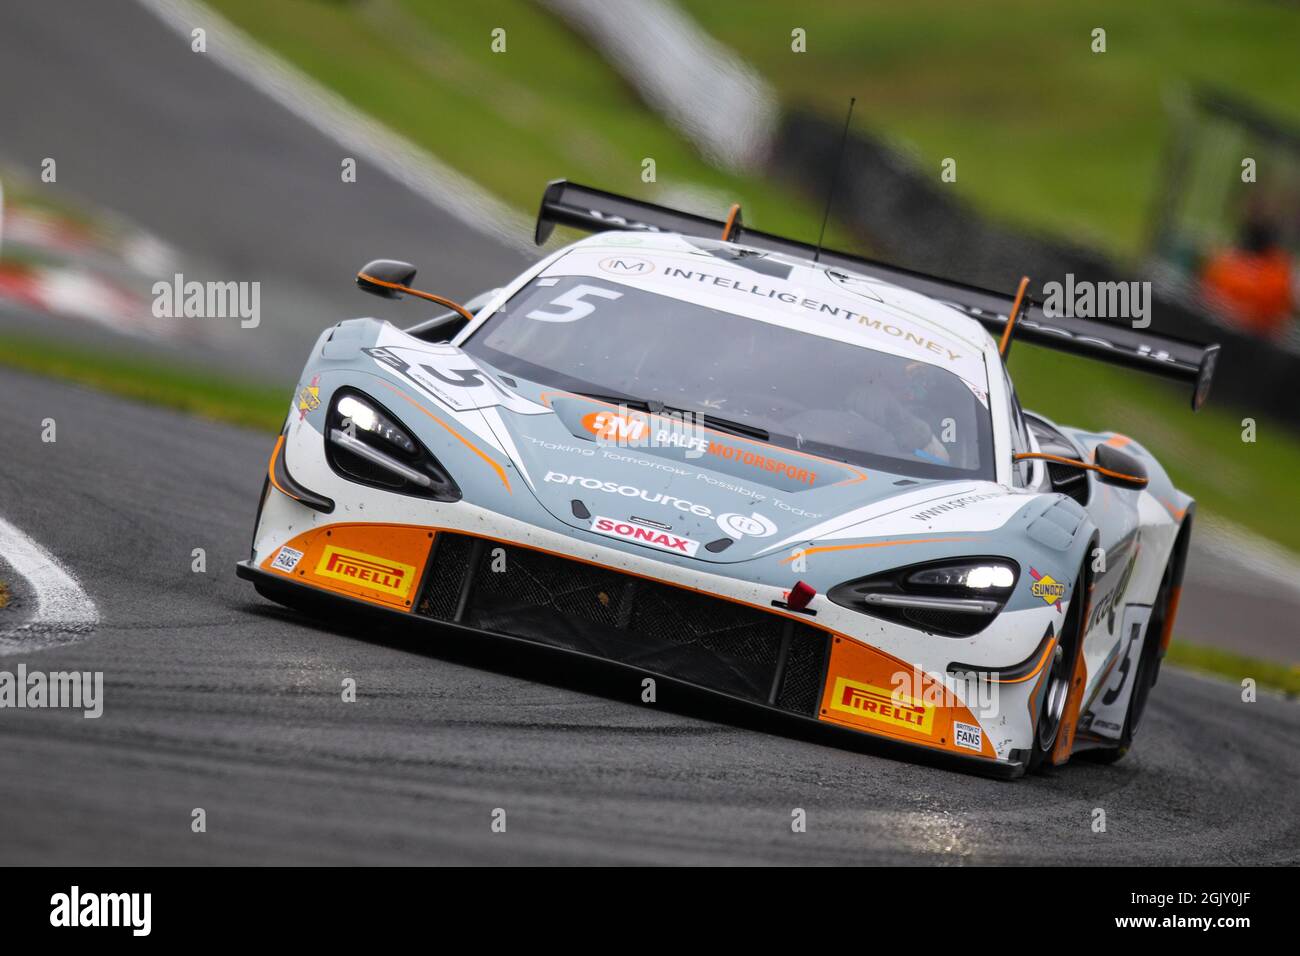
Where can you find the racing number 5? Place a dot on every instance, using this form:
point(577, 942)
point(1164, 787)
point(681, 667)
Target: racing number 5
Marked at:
point(573, 303)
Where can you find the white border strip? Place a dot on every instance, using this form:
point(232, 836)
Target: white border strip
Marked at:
point(1251, 563)
point(333, 116)
point(64, 612)
point(721, 103)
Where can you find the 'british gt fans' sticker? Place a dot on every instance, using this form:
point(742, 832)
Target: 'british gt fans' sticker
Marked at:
point(663, 540)
point(287, 559)
point(965, 735)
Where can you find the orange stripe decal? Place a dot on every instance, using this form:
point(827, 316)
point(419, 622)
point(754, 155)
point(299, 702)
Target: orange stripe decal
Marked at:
point(870, 544)
point(1051, 646)
point(270, 467)
point(501, 472)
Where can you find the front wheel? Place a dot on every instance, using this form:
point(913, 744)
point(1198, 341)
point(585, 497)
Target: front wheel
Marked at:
point(1061, 669)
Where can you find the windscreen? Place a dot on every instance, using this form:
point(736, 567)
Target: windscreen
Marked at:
point(807, 391)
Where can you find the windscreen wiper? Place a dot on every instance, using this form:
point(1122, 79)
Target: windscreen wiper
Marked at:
point(659, 408)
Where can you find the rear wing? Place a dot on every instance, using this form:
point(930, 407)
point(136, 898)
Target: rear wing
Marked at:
point(594, 210)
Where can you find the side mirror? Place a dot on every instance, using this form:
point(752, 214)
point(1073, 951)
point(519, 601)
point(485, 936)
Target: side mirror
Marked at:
point(1115, 467)
point(392, 279)
point(386, 278)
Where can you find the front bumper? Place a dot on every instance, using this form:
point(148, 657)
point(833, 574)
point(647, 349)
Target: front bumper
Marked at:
point(777, 662)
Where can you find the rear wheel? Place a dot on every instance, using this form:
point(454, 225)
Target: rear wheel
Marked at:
point(1148, 669)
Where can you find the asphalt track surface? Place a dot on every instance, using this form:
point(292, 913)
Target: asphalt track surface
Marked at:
point(244, 189)
point(220, 700)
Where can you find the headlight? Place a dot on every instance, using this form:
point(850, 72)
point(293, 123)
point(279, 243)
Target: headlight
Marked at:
point(954, 597)
point(356, 412)
point(366, 444)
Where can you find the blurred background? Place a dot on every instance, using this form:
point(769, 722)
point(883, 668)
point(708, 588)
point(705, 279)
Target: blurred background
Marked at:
point(141, 139)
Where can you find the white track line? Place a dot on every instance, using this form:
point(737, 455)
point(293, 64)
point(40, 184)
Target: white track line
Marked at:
point(63, 612)
point(320, 107)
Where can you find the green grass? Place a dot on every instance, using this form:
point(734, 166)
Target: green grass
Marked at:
point(1045, 132)
point(190, 390)
point(547, 107)
point(1235, 667)
point(1202, 451)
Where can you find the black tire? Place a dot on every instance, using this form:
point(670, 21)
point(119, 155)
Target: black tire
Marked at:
point(1148, 670)
point(1056, 696)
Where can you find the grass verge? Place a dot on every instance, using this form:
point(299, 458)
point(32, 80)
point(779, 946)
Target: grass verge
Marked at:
point(548, 106)
point(1045, 132)
point(185, 389)
point(1235, 667)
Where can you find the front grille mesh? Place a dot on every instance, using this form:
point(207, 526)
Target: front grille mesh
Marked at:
point(686, 635)
point(442, 580)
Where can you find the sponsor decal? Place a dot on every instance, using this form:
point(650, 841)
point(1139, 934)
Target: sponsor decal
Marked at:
point(286, 559)
point(636, 431)
point(976, 690)
point(746, 526)
point(629, 491)
point(883, 706)
point(611, 426)
point(1047, 588)
point(968, 736)
point(655, 538)
point(557, 446)
point(309, 397)
point(626, 266)
point(955, 504)
point(789, 297)
point(366, 570)
point(688, 434)
point(450, 376)
point(734, 525)
point(762, 462)
point(651, 524)
point(1106, 600)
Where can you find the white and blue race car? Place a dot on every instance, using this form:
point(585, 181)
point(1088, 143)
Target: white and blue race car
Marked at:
point(793, 477)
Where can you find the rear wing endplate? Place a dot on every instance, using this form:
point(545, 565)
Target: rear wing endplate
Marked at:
point(594, 210)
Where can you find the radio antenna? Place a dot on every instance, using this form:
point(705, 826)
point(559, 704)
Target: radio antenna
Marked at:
point(835, 174)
